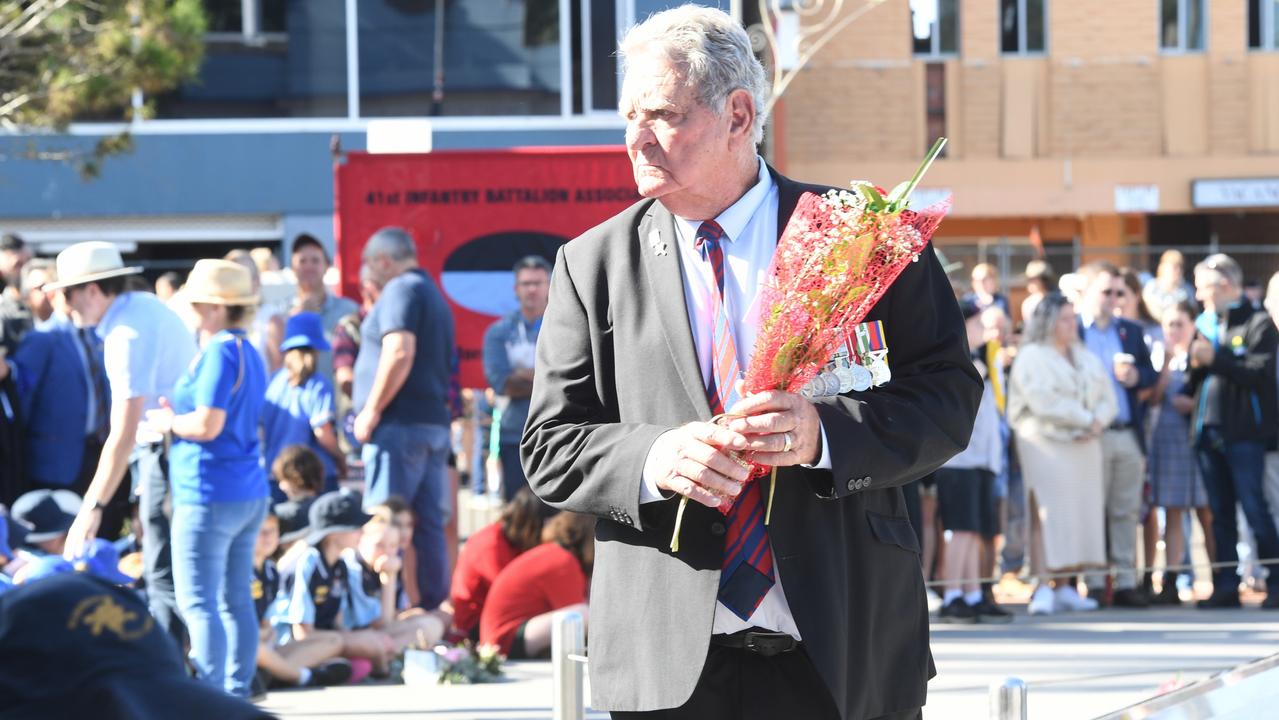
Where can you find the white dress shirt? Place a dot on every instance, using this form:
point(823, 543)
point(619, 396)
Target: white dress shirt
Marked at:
point(750, 232)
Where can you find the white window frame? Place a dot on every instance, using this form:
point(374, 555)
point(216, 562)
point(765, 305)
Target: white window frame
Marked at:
point(1021, 50)
point(1269, 38)
point(934, 51)
point(1183, 15)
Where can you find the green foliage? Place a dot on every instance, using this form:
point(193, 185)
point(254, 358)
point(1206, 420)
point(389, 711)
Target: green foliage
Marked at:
point(65, 60)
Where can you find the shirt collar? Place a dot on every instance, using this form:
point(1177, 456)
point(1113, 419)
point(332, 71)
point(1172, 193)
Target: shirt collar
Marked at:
point(738, 215)
point(1090, 323)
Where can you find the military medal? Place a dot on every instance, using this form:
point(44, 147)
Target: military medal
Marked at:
point(873, 350)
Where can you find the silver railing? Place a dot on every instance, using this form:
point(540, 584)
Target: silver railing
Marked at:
point(568, 660)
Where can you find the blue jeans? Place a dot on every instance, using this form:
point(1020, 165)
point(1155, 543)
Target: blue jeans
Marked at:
point(411, 462)
point(1233, 473)
point(212, 572)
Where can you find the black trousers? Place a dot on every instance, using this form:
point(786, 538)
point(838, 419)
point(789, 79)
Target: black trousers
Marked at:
point(742, 685)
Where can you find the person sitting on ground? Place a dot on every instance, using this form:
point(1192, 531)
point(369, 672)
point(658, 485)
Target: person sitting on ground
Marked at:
point(312, 662)
point(402, 517)
point(373, 568)
point(965, 495)
point(317, 589)
point(552, 576)
point(300, 475)
point(490, 550)
point(46, 515)
point(299, 406)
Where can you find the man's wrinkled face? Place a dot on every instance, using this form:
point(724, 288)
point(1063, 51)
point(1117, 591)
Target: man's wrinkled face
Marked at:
point(676, 144)
point(1212, 289)
point(1102, 292)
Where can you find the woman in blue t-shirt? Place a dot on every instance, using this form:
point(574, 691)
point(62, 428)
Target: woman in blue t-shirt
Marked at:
point(299, 402)
point(219, 487)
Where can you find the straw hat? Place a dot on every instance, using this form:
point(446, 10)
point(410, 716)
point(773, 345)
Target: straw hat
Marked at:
point(88, 262)
point(220, 282)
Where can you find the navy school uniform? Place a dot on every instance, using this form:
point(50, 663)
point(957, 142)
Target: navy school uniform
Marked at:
point(315, 593)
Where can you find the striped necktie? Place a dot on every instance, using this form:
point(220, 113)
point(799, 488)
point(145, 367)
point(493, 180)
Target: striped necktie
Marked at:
point(747, 571)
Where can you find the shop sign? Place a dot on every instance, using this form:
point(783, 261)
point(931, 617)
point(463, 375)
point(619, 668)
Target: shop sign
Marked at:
point(1136, 198)
point(1244, 193)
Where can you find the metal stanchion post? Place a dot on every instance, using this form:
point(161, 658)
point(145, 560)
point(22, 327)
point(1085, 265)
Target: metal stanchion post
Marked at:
point(1008, 700)
point(568, 638)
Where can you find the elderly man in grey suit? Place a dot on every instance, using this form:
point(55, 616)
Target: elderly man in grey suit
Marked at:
point(821, 612)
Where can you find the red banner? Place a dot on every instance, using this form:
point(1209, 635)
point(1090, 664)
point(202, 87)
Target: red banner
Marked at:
point(473, 215)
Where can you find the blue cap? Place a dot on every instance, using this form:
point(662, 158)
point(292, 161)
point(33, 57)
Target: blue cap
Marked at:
point(100, 558)
point(304, 330)
point(91, 649)
point(43, 567)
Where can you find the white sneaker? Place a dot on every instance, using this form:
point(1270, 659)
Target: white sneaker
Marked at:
point(1043, 602)
point(1068, 599)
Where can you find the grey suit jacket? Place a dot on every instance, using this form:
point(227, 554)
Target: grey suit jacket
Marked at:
point(616, 367)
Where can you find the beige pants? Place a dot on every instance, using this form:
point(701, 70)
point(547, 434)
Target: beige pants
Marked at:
point(1123, 474)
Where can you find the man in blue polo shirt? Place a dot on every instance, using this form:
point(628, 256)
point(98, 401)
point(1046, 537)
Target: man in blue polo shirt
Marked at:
point(146, 348)
point(509, 348)
point(401, 397)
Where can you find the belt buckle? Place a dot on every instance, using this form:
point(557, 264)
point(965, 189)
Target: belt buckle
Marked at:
point(768, 648)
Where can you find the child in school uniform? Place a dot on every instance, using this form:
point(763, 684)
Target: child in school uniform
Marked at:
point(372, 569)
point(300, 476)
point(318, 586)
point(299, 406)
point(312, 662)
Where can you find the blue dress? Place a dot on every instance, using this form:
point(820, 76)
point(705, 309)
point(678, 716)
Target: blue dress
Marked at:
point(1173, 468)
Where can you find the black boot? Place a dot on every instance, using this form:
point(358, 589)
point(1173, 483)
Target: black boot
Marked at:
point(1168, 594)
point(1148, 584)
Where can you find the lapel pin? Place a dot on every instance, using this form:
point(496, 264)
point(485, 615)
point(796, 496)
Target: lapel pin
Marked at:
point(656, 242)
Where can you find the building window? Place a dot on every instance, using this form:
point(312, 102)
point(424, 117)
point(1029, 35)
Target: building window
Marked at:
point(1022, 29)
point(1181, 25)
point(935, 27)
point(404, 58)
point(267, 59)
point(1263, 24)
point(934, 104)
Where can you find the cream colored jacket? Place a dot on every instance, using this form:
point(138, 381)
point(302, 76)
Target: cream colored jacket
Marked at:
point(1052, 398)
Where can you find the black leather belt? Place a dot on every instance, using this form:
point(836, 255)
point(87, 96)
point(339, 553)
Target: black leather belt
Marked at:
point(1120, 426)
point(762, 642)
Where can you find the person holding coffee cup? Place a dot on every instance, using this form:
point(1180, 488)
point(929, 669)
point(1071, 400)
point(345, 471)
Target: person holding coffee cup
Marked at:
point(1120, 346)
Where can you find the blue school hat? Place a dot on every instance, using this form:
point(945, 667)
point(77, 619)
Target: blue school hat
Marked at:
point(46, 513)
point(337, 511)
point(304, 330)
point(75, 645)
point(101, 559)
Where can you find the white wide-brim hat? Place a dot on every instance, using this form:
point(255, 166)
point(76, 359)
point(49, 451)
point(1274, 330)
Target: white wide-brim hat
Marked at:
point(219, 282)
point(88, 262)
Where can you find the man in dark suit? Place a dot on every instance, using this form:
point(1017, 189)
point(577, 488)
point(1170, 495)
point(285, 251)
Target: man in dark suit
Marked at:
point(1120, 346)
point(826, 616)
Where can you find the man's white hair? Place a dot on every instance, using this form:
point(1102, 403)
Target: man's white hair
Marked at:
point(711, 49)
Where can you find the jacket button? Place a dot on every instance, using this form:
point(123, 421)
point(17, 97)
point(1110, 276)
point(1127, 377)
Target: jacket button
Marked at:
point(852, 485)
point(717, 528)
point(866, 481)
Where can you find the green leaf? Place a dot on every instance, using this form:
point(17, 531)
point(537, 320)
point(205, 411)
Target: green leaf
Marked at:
point(904, 201)
point(897, 192)
point(873, 198)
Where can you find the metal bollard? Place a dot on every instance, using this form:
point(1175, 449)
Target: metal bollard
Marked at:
point(1008, 700)
point(568, 638)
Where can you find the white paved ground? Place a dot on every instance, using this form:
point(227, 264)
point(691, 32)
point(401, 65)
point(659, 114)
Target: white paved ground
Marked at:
point(1077, 666)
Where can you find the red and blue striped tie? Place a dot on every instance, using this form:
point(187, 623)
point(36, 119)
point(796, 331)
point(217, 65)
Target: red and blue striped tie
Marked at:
point(747, 571)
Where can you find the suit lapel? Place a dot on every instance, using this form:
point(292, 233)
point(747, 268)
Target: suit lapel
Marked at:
point(666, 284)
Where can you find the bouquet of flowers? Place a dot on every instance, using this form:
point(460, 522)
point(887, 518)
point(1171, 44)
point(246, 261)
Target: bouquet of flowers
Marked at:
point(466, 664)
point(839, 254)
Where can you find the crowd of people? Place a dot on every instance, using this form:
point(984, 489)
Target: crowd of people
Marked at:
point(1124, 407)
point(276, 480)
point(292, 469)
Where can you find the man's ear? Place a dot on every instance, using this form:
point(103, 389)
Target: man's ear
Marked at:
point(741, 113)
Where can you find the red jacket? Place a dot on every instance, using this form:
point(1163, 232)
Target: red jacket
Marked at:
point(478, 564)
point(541, 580)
